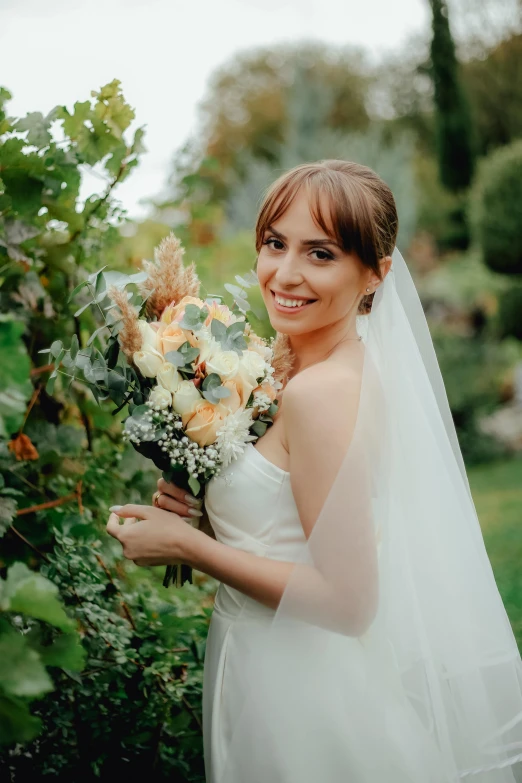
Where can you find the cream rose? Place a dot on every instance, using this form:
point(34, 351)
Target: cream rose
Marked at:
point(224, 363)
point(149, 362)
point(160, 398)
point(173, 336)
point(149, 336)
point(252, 365)
point(186, 398)
point(169, 377)
point(203, 426)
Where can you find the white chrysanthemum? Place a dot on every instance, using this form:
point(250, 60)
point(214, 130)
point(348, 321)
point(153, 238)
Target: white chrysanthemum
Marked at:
point(233, 435)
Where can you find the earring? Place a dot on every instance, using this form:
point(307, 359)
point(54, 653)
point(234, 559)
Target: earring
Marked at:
point(367, 289)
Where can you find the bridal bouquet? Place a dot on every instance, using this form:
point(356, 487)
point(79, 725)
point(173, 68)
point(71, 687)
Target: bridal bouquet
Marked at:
point(198, 382)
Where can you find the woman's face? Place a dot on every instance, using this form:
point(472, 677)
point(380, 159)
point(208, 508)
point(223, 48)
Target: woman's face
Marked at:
point(307, 281)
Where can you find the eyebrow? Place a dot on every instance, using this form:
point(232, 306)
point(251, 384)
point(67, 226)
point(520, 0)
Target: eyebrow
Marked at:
point(304, 242)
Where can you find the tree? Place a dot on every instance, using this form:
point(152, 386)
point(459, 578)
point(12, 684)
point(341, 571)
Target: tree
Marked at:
point(246, 111)
point(453, 120)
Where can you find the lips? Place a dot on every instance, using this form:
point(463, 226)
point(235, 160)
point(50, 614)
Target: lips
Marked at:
point(290, 308)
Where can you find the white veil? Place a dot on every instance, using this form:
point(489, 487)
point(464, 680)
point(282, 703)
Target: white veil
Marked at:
point(423, 685)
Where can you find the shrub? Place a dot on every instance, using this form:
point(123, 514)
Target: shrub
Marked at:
point(495, 209)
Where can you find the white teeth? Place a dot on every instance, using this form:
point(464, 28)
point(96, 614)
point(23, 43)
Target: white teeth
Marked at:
point(290, 302)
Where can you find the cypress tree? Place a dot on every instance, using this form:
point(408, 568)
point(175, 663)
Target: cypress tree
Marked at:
point(454, 128)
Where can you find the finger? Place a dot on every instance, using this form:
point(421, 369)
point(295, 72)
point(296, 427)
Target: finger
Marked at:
point(113, 526)
point(169, 504)
point(177, 493)
point(133, 510)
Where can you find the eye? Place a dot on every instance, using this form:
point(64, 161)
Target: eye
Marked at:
point(323, 255)
point(272, 242)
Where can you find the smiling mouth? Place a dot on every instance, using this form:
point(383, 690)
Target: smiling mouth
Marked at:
point(290, 304)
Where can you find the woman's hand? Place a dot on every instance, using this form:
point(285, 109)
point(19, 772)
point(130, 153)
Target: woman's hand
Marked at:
point(151, 536)
point(173, 498)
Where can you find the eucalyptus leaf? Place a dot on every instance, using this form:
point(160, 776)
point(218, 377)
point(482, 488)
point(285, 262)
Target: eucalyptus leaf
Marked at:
point(100, 285)
point(94, 276)
point(56, 347)
point(74, 346)
point(235, 290)
point(259, 428)
point(218, 330)
point(80, 311)
point(49, 386)
point(95, 334)
point(77, 289)
point(176, 358)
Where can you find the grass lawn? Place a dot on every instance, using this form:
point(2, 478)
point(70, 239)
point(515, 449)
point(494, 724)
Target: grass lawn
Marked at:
point(497, 492)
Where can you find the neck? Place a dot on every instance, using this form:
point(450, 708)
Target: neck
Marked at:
point(314, 347)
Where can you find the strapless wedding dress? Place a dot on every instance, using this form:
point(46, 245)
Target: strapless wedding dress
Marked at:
point(341, 727)
point(251, 507)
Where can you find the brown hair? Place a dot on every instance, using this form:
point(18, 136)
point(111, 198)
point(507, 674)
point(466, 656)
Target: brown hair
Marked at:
point(362, 214)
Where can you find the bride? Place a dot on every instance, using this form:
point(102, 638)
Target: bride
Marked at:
point(358, 634)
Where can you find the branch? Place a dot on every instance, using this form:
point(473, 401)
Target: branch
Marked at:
point(76, 495)
point(124, 606)
point(26, 541)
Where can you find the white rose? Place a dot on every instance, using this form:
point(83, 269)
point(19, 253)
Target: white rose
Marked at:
point(169, 377)
point(149, 362)
point(186, 398)
point(225, 363)
point(263, 350)
point(253, 365)
point(149, 336)
point(160, 398)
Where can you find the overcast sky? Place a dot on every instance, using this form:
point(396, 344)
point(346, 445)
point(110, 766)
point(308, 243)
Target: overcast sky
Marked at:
point(163, 51)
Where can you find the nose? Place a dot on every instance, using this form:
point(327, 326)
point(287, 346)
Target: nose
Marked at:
point(288, 272)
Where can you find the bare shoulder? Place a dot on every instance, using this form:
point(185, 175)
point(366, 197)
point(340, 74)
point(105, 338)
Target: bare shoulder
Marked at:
point(327, 382)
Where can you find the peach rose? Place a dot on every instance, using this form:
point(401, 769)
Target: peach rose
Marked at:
point(203, 426)
point(175, 312)
point(232, 403)
point(244, 387)
point(172, 337)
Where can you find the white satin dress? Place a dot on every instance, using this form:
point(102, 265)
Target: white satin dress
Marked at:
point(327, 730)
point(251, 507)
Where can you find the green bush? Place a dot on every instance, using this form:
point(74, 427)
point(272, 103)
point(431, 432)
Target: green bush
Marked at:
point(29, 603)
point(473, 370)
point(509, 316)
point(495, 209)
point(136, 704)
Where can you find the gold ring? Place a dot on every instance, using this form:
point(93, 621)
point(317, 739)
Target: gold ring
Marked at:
point(156, 498)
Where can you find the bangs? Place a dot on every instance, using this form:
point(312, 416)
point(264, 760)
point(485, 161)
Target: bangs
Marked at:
point(337, 206)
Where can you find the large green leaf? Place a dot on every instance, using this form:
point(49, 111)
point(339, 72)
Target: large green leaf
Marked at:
point(16, 722)
point(66, 652)
point(32, 594)
point(22, 672)
point(15, 386)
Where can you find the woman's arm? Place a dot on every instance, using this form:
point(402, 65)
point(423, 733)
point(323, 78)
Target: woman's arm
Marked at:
point(340, 591)
point(319, 413)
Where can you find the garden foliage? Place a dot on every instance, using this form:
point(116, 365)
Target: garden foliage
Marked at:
point(103, 668)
